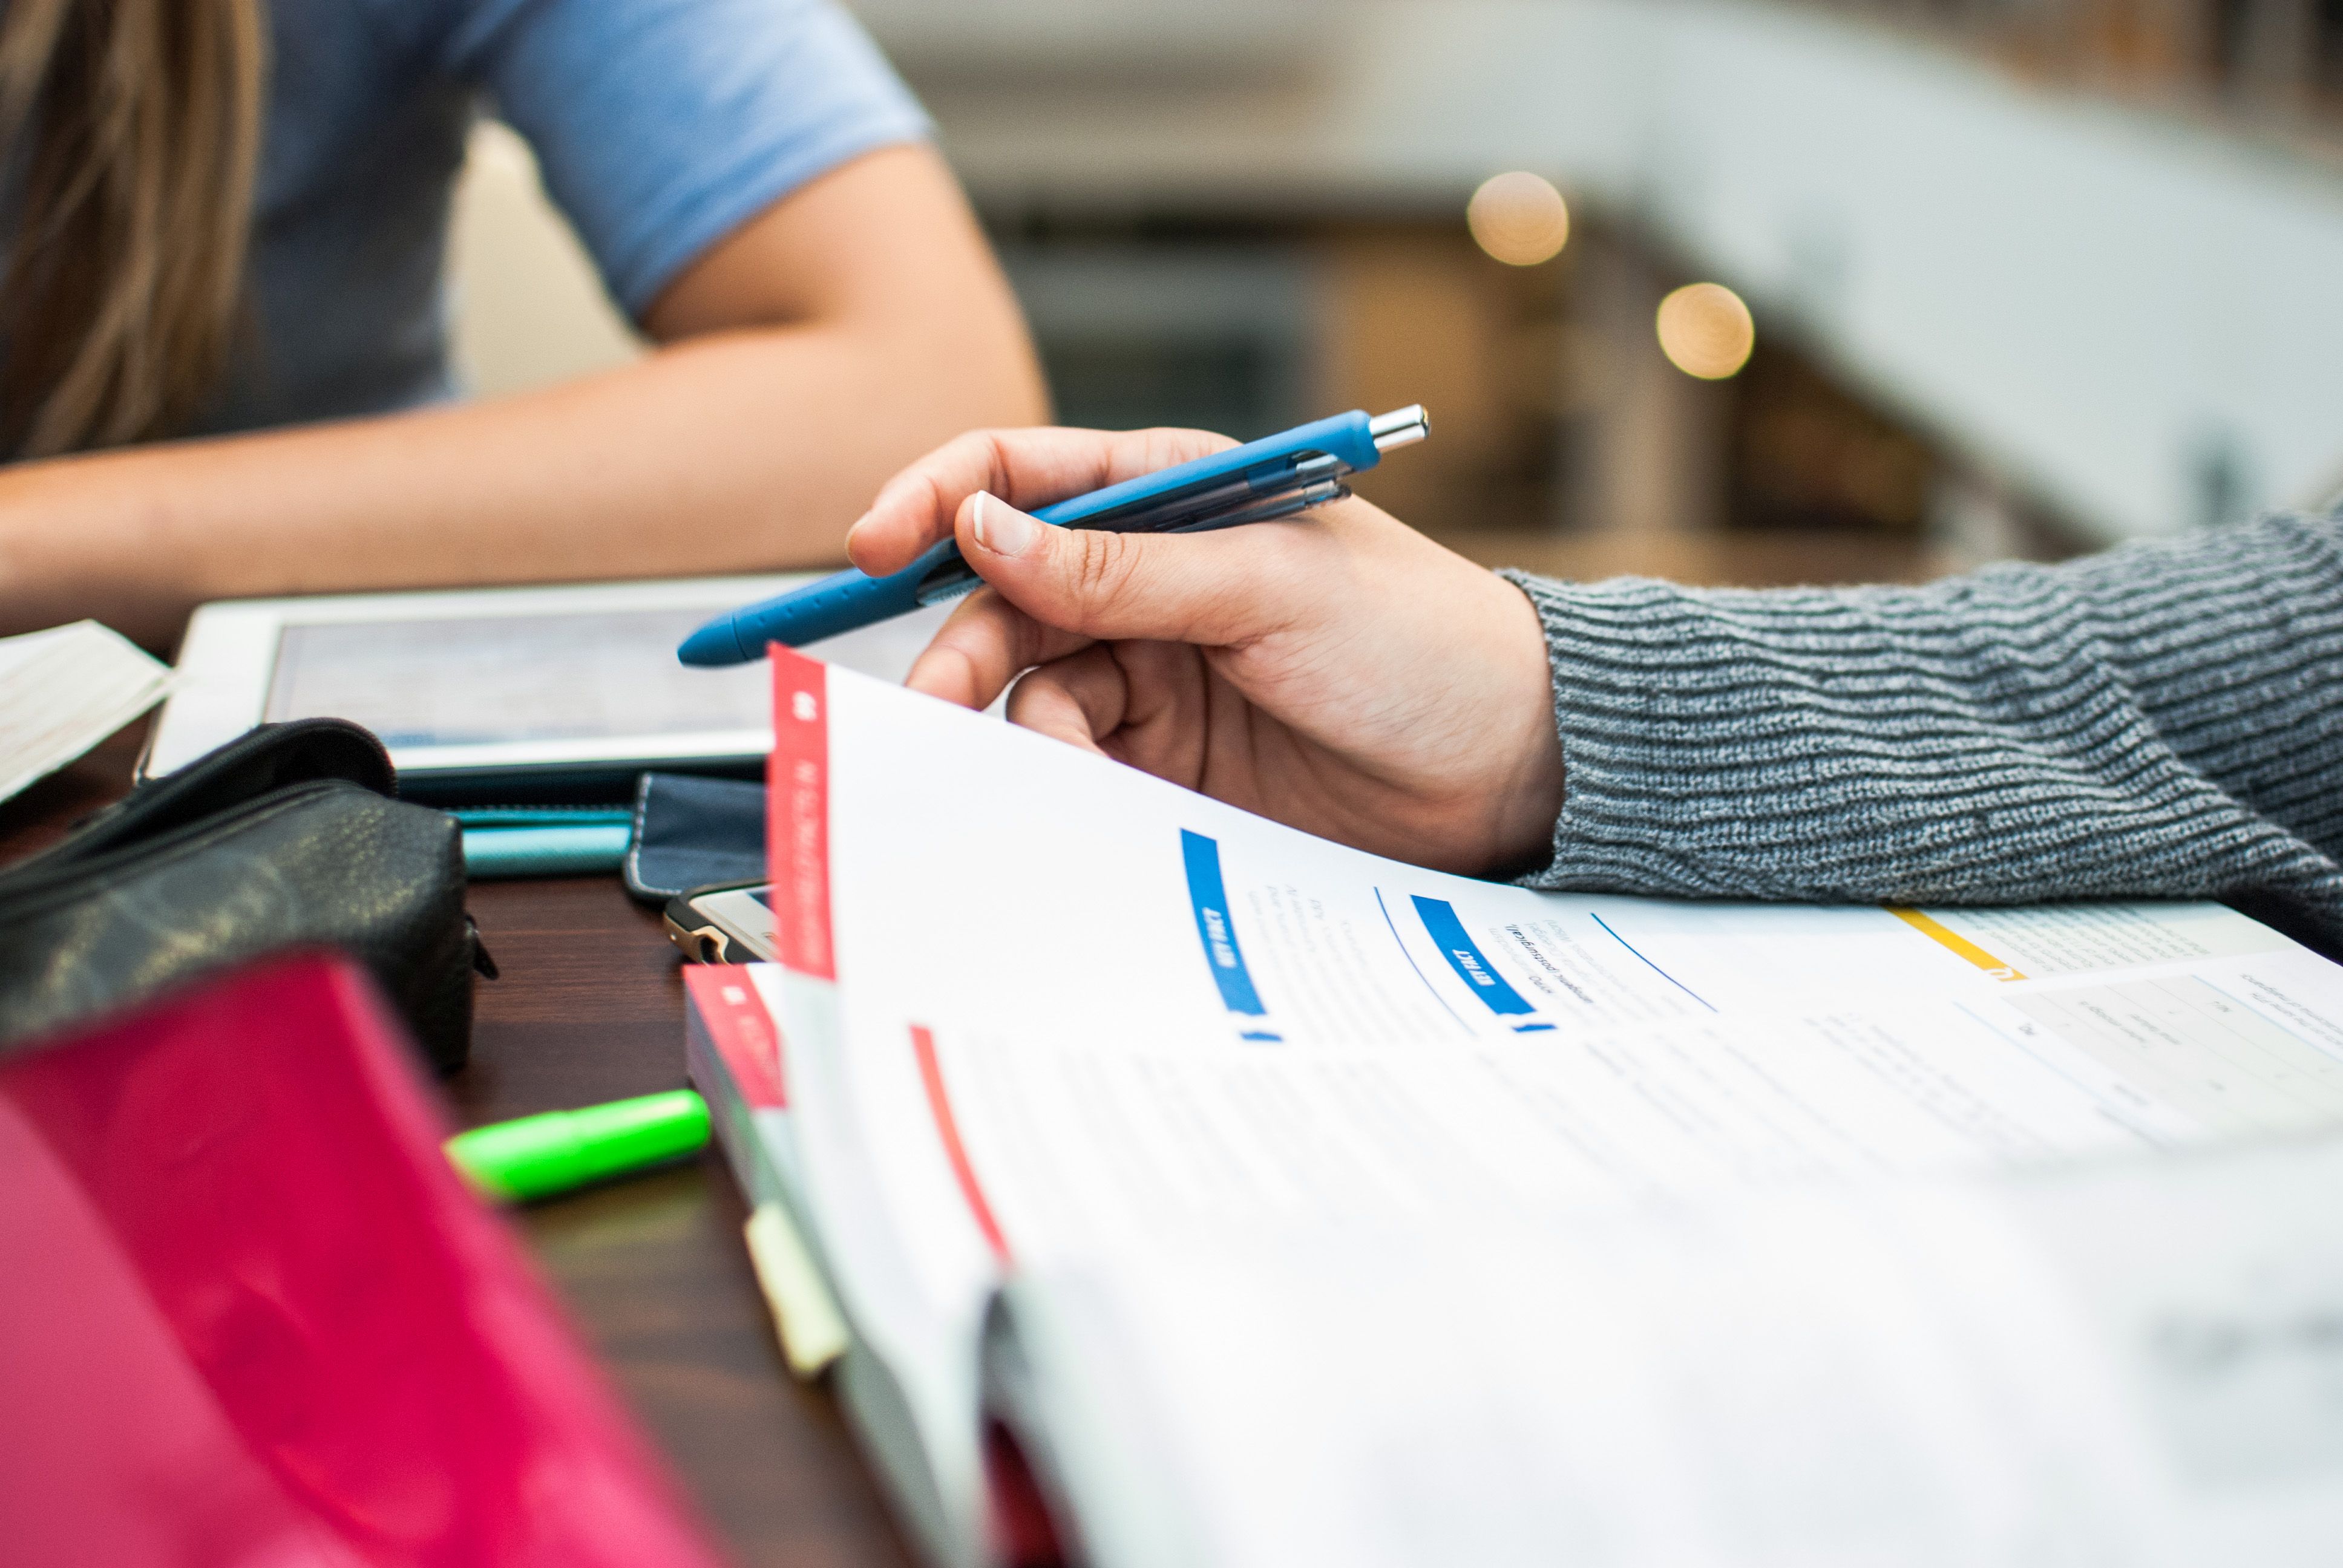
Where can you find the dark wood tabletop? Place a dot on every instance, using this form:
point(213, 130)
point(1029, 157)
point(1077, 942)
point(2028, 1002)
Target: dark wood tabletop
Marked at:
point(591, 1008)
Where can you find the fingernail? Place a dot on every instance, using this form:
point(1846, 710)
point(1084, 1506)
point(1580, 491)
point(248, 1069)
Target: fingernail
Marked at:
point(1003, 530)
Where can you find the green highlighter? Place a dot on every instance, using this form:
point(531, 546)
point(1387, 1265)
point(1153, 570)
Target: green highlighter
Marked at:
point(538, 1156)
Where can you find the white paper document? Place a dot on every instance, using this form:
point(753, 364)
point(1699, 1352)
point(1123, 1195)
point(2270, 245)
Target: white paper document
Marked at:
point(1047, 1019)
point(2131, 1363)
point(64, 690)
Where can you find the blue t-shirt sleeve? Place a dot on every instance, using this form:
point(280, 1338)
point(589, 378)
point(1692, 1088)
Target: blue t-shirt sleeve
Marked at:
point(662, 126)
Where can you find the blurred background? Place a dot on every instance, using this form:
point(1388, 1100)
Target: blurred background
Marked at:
point(1726, 290)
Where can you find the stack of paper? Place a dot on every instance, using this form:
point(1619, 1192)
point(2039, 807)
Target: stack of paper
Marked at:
point(64, 690)
point(1293, 1204)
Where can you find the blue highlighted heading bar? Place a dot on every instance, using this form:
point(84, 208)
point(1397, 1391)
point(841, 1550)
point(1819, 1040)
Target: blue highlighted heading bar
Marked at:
point(1467, 960)
point(1210, 902)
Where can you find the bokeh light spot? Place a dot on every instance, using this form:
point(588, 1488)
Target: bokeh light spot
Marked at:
point(1519, 218)
point(1707, 331)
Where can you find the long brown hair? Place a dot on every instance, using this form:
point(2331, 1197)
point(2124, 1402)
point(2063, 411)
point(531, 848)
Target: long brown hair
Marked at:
point(134, 128)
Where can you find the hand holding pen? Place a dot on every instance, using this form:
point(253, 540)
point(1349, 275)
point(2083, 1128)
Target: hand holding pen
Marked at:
point(1350, 676)
point(1227, 487)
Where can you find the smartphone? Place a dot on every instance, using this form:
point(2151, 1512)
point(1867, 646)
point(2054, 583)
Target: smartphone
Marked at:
point(731, 923)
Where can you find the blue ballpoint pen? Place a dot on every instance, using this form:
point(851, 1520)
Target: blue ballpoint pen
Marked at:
point(1273, 477)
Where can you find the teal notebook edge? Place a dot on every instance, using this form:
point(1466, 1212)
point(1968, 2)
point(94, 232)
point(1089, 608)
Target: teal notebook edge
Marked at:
point(512, 841)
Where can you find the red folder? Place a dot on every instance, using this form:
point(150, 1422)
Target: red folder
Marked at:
point(248, 1314)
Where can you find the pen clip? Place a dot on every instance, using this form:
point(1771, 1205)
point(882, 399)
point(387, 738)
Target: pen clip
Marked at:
point(1272, 508)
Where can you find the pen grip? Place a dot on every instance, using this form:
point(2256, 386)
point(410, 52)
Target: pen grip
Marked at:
point(841, 602)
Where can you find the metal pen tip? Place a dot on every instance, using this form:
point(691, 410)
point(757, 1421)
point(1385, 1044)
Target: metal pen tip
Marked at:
point(1401, 427)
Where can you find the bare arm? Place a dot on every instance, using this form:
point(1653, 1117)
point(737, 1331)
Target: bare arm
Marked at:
point(803, 359)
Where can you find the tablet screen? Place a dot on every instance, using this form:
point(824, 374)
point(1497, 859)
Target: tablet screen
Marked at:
point(513, 678)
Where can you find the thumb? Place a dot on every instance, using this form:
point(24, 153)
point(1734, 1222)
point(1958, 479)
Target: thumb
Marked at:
point(1213, 589)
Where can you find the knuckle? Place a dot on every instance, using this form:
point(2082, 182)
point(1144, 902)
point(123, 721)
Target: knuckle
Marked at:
point(1101, 568)
point(1167, 444)
point(1028, 639)
point(998, 460)
point(939, 499)
point(957, 455)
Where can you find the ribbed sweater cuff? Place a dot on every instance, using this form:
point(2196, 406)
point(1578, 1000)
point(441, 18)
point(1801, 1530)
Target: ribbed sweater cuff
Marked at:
point(2232, 643)
point(1969, 742)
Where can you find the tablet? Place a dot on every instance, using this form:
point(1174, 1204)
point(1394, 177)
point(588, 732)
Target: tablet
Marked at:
point(536, 694)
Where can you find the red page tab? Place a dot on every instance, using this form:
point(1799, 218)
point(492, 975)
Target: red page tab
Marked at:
point(742, 1031)
point(253, 1317)
point(797, 822)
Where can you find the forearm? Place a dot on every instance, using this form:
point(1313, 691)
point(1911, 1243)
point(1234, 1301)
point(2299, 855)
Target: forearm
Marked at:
point(2024, 734)
point(728, 452)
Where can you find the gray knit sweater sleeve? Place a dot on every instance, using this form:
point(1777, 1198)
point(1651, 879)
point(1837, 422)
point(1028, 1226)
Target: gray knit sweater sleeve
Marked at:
point(2162, 720)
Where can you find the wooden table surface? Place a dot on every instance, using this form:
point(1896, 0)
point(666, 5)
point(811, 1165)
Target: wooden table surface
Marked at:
point(591, 1008)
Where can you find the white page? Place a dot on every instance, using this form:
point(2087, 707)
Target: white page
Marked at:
point(2134, 1365)
point(1079, 1011)
point(976, 863)
point(64, 690)
point(1031, 913)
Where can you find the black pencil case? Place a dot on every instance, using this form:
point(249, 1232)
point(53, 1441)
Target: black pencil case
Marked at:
point(288, 837)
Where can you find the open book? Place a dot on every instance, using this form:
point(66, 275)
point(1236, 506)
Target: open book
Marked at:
point(64, 690)
point(1291, 1205)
